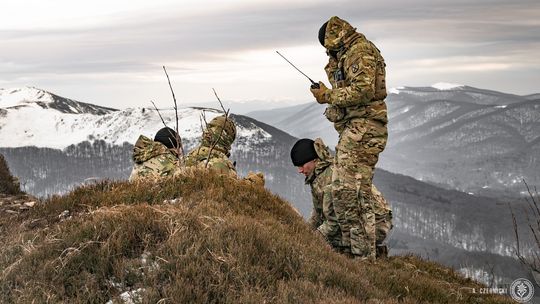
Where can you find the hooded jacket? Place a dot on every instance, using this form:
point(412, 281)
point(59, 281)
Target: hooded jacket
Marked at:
point(215, 147)
point(323, 217)
point(152, 159)
point(356, 71)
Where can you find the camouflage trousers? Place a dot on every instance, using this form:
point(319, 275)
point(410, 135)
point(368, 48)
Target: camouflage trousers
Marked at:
point(357, 152)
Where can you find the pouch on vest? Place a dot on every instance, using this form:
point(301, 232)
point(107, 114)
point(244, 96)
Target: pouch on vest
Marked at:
point(334, 113)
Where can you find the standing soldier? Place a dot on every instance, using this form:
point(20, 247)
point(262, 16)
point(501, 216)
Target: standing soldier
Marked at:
point(356, 106)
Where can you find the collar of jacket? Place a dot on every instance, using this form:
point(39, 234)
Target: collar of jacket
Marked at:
point(320, 166)
point(350, 40)
point(145, 149)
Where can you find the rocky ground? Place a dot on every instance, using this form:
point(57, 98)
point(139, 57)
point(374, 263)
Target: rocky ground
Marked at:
point(16, 204)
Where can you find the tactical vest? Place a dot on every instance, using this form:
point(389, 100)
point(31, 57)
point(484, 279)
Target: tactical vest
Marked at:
point(376, 108)
point(339, 77)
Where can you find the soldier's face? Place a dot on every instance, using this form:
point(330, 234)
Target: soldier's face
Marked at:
point(307, 168)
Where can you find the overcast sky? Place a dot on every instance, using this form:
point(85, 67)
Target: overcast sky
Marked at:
point(110, 52)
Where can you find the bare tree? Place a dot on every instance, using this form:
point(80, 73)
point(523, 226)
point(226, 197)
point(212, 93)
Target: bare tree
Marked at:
point(179, 147)
point(532, 214)
point(222, 129)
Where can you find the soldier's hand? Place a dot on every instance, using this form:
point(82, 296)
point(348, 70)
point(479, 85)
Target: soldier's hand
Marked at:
point(319, 93)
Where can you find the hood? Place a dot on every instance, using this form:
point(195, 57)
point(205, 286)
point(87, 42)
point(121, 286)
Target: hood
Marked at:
point(325, 160)
point(220, 133)
point(146, 149)
point(338, 34)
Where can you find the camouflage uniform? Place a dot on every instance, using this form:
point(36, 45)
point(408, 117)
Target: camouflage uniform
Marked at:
point(323, 217)
point(383, 221)
point(214, 150)
point(152, 159)
point(356, 71)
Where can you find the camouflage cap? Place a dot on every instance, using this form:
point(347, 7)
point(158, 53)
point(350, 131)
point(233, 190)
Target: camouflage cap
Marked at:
point(220, 131)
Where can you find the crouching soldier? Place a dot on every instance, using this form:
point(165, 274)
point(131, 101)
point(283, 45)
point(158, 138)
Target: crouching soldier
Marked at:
point(313, 159)
point(215, 148)
point(155, 158)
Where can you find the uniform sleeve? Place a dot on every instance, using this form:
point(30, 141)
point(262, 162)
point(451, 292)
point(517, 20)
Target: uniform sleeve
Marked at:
point(315, 219)
point(330, 226)
point(360, 70)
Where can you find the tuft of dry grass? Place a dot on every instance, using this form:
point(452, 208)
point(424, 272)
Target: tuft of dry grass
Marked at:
point(197, 238)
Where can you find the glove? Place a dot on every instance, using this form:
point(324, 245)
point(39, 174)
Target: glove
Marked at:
point(256, 179)
point(319, 93)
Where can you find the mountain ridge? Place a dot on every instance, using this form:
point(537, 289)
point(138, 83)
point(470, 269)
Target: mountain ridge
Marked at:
point(55, 127)
point(462, 137)
point(21, 97)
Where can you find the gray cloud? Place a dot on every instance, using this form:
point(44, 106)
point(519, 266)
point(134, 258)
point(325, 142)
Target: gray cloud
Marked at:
point(424, 29)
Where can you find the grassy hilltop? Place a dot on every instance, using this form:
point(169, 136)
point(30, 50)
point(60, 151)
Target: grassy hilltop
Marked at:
point(199, 238)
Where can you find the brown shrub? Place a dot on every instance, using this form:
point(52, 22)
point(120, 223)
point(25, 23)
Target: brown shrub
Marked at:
point(8, 183)
point(200, 238)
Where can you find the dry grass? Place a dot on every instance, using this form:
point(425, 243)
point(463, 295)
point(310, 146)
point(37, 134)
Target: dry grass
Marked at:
point(197, 239)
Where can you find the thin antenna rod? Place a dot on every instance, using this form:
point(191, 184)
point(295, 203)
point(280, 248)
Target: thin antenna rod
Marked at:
point(313, 82)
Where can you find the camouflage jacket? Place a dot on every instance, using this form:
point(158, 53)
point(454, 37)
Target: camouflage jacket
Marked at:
point(217, 160)
point(152, 159)
point(323, 217)
point(357, 75)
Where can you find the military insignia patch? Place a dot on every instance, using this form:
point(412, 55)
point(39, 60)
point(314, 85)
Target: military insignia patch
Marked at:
point(355, 68)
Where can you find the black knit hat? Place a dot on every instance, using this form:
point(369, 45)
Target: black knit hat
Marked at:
point(167, 136)
point(322, 33)
point(303, 151)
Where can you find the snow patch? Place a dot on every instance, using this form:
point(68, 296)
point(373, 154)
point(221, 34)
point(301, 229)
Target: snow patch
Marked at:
point(45, 127)
point(395, 90)
point(443, 86)
point(130, 297)
point(501, 107)
point(23, 97)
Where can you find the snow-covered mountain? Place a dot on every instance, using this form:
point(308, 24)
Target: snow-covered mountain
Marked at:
point(302, 121)
point(54, 144)
point(466, 138)
point(31, 97)
point(34, 117)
